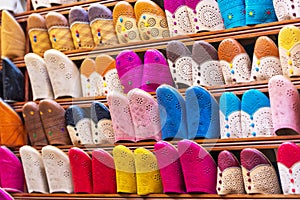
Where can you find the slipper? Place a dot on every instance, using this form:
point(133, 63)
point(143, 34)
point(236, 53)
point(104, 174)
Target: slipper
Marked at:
point(38, 34)
point(151, 20)
point(180, 64)
point(38, 4)
point(171, 109)
point(38, 75)
point(125, 23)
point(121, 117)
point(106, 67)
point(101, 124)
point(156, 71)
point(125, 169)
point(148, 178)
point(12, 175)
point(12, 37)
point(104, 173)
point(78, 125)
point(197, 164)
point(202, 113)
point(288, 42)
point(33, 124)
point(230, 178)
point(61, 2)
point(283, 11)
point(258, 173)
point(285, 103)
point(178, 18)
point(235, 62)
point(34, 170)
point(91, 80)
point(145, 115)
point(53, 119)
point(81, 168)
point(59, 31)
point(288, 158)
point(63, 73)
point(12, 131)
point(169, 167)
point(230, 116)
point(130, 70)
point(204, 15)
point(259, 14)
point(102, 25)
point(58, 172)
point(13, 81)
point(266, 61)
point(80, 28)
point(256, 115)
point(206, 66)
point(5, 195)
point(233, 13)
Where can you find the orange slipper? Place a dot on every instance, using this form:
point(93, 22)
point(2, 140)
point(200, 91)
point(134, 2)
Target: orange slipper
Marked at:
point(151, 20)
point(125, 23)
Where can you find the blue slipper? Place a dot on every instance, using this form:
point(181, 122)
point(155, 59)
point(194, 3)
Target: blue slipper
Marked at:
point(260, 13)
point(230, 116)
point(256, 115)
point(172, 112)
point(78, 125)
point(101, 125)
point(202, 112)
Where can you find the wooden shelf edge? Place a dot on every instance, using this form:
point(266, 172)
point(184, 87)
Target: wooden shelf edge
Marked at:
point(25, 196)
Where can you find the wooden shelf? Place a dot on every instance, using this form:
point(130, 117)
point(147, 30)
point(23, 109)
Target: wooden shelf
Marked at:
point(151, 196)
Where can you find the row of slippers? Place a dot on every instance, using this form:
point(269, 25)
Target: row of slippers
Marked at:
point(99, 25)
point(138, 116)
point(202, 67)
point(188, 169)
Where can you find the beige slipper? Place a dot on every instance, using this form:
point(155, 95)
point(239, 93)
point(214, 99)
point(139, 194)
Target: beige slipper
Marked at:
point(12, 37)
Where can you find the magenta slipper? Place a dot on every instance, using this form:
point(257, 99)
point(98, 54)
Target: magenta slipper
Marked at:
point(104, 173)
point(288, 161)
point(258, 173)
point(81, 167)
point(156, 71)
point(170, 167)
point(230, 178)
point(130, 69)
point(197, 164)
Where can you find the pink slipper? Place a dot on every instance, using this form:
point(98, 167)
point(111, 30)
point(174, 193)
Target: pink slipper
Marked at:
point(156, 71)
point(230, 178)
point(12, 175)
point(258, 173)
point(285, 106)
point(4, 195)
point(81, 167)
point(130, 69)
point(197, 164)
point(121, 116)
point(104, 173)
point(170, 167)
point(177, 17)
point(145, 115)
point(288, 159)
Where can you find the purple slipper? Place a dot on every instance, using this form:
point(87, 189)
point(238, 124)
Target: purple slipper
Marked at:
point(130, 69)
point(169, 166)
point(230, 178)
point(258, 173)
point(12, 175)
point(197, 164)
point(156, 71)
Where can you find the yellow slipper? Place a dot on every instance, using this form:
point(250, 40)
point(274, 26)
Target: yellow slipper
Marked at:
point(151, 20)
point(125, 23)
